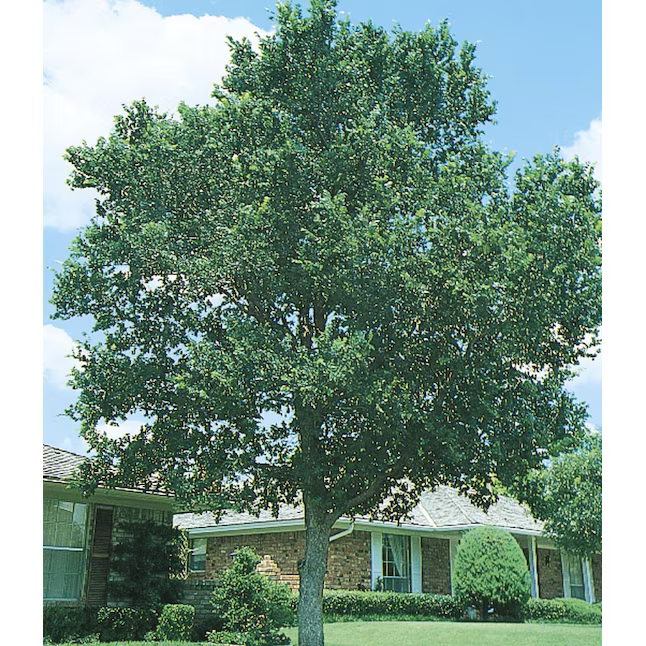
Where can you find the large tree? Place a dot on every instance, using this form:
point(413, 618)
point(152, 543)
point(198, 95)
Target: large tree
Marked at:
point(331, 242)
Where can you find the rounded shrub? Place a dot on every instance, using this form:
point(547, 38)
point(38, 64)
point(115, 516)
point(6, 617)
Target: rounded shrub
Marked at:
point(175, 623)
point(491, 573)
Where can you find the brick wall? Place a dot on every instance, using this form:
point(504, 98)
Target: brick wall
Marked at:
point(348, 566)
point(550, 576)
point(280, 552)
point(348, 562)
point(197, 593)
point(596, 576)
point(436, 566)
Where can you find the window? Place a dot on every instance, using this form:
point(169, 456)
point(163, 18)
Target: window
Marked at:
point(396, 563)
point(197, 557)
point(575, 571)
point(64, 540)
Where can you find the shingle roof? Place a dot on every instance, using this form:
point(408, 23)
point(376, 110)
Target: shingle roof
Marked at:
point(448, 508)
point(443, 507)
point(207, 519)
point(58, 464)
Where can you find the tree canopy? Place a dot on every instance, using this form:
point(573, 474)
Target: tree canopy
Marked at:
point(326, 287)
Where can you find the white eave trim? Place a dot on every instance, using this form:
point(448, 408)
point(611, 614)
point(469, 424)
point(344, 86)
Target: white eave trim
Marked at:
point(104, 495)
point(258, 527)
point(298, 524)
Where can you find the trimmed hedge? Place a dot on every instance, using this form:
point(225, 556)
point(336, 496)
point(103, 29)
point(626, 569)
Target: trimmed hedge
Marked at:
point(373, 605)
point(345, 603)
point(562, 610)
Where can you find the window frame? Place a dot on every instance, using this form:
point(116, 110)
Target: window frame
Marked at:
point(389, 580)
point(585, 587)
point(192, 549)
point(79, 548)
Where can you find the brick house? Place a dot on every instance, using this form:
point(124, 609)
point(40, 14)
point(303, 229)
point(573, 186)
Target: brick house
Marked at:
point(80, 533)
point(413, 556)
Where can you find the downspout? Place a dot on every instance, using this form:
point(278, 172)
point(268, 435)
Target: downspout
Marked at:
point(345, 532)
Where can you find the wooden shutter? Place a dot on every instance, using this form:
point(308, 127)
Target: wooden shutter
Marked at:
point(99, 563)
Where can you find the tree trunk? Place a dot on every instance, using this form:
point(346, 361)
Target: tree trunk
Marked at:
point(312, 576)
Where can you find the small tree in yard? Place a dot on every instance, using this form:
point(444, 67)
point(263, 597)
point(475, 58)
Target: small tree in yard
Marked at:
point(325, 289)
point(566, 494)
point(491, 572)
point(249, 604)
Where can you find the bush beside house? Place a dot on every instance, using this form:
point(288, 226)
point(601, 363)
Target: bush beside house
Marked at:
point(147, 564)
point(251, 607)
point(175, 623)
point(491, 573)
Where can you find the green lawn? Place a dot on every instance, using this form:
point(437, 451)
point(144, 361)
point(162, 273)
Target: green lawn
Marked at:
point(439, 633)
point(450, 633)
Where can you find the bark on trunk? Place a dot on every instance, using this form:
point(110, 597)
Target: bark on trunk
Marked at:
point(312, 577)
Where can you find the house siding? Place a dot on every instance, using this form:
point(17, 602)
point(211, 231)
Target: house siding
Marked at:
point(436, 566)
point(550, 575)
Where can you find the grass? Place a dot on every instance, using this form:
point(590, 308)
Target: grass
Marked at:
point(451, 633)
point(436, 633)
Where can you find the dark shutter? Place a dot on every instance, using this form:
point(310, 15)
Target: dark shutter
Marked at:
point(97, 580)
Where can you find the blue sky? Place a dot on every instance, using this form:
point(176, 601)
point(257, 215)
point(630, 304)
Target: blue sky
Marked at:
point(544, 59)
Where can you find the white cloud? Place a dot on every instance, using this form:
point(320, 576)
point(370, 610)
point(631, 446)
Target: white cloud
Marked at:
point(589, 373)
point(129, 426)
point(587, 145)
point(100, 54)
point(75, 444)
point(57, 346)
point(589, 368)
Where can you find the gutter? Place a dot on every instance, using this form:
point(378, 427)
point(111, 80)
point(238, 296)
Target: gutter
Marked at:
point(345, 532)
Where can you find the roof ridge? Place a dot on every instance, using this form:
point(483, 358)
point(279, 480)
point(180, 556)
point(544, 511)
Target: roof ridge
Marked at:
point(426, 512)
point(455, 503)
